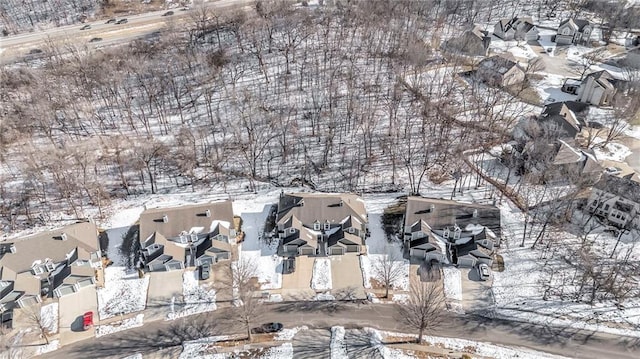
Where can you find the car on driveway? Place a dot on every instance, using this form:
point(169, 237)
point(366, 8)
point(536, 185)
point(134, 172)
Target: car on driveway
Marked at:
point(168, 13)
point(483, 271)
point(111, 21)
point(613, 171)
point(95, 39)
point(268, 328)
point(85, 27)
point(122, 21)
point(205, 271)
point(87, 320)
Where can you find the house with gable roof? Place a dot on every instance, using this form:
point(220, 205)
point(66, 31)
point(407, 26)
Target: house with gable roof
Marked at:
point(597, 88)
point(574, 31)
point(617, 200)
point(463, 233)
point(563, 119)
point(472, 42)
point(48, 266)
point(517, 28)
point(500, 71)
point(185, 236)
point(321, 224)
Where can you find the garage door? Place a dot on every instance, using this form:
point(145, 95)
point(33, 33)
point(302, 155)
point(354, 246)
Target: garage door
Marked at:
point(353, 248)
point(307, 251)
point(336, 251)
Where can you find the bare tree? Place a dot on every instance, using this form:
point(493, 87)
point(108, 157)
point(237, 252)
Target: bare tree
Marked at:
point(248, 311)
point(34, 319)
point(388, 268)
point(425, 308)
point(9, 344)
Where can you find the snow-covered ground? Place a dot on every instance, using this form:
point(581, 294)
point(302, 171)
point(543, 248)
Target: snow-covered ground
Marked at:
point(545, 41)
point(193, 349)
point(289, 333)
point(549, 89)
point(612, 152)
point(255, 248)
point(321, 277)
point(376, 341)
point(452, 283)
point(522, 52)
point(128, 323)
point(284, 351)
point(49, 317)
point(123, 292)
point(53, 345)
point(197, 298)
point(338, 347)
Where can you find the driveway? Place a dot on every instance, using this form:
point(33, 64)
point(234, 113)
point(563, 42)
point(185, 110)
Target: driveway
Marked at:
point(162, 287)
point(346, 276)
point(70, 310)
point(633, 160)
point(297, 285)
point(476, 294)
point(312, 344)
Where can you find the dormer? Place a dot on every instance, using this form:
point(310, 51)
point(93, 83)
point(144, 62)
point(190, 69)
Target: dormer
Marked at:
point(316, 225)
point(445, 233)
point(327, 225)
point(456, 232)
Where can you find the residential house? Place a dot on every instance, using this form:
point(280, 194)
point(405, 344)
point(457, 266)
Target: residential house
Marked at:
point(186, 236)
point(517, 28)
point(321, 224)
point(563, 119)
point(51, 264)
point(472, 42)
point(572, 162)
point(617, 200)
point(500, 71)
point(467, 232)
point(597, 88)
point(573, 31)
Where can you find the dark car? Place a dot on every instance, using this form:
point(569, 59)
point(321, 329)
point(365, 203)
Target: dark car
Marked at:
point(110, 21)
point(122, 21)
point(35, 51)
point(289, 265)
point(95, 39)
point(268, 328)
point(168, 13)
point(205, 271)
point(85, 27)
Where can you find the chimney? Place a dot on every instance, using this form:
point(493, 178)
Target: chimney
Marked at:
point(432, 207)
point(207, 213)
point(475, 213)
point(341, 203)
point(165, 218)
point(63, 236)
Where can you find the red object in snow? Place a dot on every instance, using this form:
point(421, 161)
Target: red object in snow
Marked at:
point(87, 320)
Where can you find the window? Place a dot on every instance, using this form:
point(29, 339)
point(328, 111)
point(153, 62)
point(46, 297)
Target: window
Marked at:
point(445, 233)
point(292, 230)
point(38, 270)
point(566, 31)
point(316, 226)
point(50, 266)
point(456, 234)
point(606, 207)
point(327, 226)
point(352, 230)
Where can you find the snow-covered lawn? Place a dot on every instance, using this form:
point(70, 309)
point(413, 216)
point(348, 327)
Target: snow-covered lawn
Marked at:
point(289, 333)
point(321, 277)
point(197, 299)
point(338, 347)
point(452, 283)
point(520, 50)
point(49, 317)
point(284, 351)
point(376, 341)
point(123, 292)
point(545, 41)
point(193, 349)
point(255, 248)
point(53, 345)
point(549, 89)
point(613, 152)
point(400, 298)
point(128, 323)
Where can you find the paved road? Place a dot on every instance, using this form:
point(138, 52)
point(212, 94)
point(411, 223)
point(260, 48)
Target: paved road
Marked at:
point(15, 47)
point(165, 337)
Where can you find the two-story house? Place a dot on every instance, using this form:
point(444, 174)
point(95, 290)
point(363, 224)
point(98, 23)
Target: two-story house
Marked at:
point(48, 266)
point(500, 71)
point(321, 224)
point(597, 88)
point(574, 31)
point(463, 233)
point(186, 236)
point(617, 200)
point(517, 28)
point(563, 119)
point(472, 42)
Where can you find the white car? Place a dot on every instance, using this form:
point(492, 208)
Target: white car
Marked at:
point(483, 271)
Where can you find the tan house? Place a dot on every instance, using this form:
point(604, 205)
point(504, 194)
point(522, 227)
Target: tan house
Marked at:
point(500, 71)
point(472, 42)
point(321, 224)
point(572, 162)
point(186, 236)
point(573, 31)
point(51, 264)
point(468, 232)
point(616, 200)
point(597, 89)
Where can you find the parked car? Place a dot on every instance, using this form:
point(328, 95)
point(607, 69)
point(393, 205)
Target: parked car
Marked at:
point(168, 13)
point(85, 27)
point(205, 271)
point(122, 21)
point(268, 328)
point(111, 21)
point(483, 271)
point(613, 171)
point(35, 51)
point(95, 39)
point(289, 265)
point(87, 320)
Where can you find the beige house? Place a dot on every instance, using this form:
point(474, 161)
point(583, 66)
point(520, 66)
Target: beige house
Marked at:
point(186, 236)
point(472, 42)
point(616, 200)
point(517, 28)
point(48, 266)
point(500, 71)
point(597, 89)
point(573, 31)
point(321, 224)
